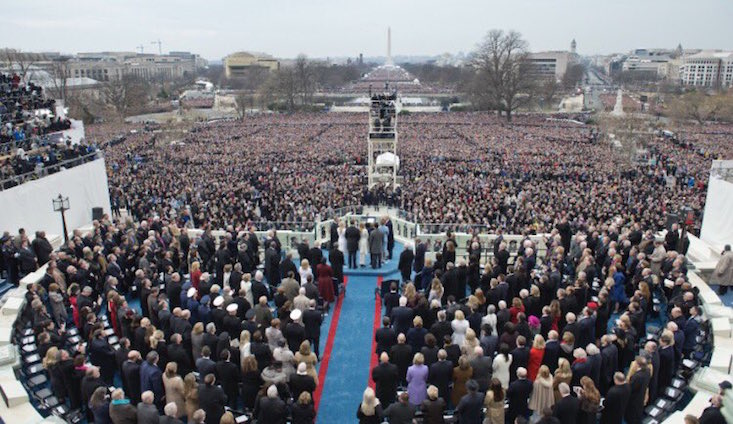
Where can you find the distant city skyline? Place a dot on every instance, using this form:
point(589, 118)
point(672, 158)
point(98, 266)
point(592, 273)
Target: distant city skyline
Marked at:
point(332, 28)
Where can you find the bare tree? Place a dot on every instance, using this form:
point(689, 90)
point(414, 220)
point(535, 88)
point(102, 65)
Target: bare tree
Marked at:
point(502, 78)
point(698, 106)
point(23, 62)
point(125, 94)
point(548, 91)
point(59, 74)
point(304, 78)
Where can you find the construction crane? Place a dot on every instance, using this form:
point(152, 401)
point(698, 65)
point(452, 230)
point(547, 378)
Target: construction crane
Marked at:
point(141, 48)
point(160, 46)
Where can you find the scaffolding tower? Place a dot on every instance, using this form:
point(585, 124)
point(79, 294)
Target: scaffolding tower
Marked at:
point(382, 139)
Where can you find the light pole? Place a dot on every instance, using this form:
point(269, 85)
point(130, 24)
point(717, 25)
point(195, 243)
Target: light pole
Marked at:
point(61, 204)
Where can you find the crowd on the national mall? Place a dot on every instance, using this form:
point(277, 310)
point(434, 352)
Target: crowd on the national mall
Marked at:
point(140, 321)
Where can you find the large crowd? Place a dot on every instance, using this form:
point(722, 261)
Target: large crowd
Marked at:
point(214, 335)
point(27, 120)
point(463, 171)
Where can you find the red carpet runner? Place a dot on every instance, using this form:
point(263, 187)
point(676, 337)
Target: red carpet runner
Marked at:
point(377, 324)
point(326, 356)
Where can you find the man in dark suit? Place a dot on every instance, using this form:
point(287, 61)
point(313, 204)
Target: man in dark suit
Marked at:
point(177, 353)
point(334, 232)
point(212, 399)
point(390, 238)
point(287, 266)
point(204, 365)
point(609, 363)
point(385, 337)
point(151, 378)
point(102, 355)
point(315, 254)
point(518, 395)
point(42, 247)
point(441, 327)
point(336, 258)
point(566, 409)
point(401, 355)
point(520, 357)
point(228, 375)
point(405, 264)
point(666, 362)
point(401, 317)
point(552, 351)
point(691, 329)
point(441, 375)
point(616, 400)
point(376, 239)
point(639, 384)
point(502, 257)
point(469, 408)
point(272, 265)
point(420, 249)
point(352, 244)
point(312, 320)
point(391, 299)
point(482, 369)
point(386, 377)
point(712, 414)
point(586, 329)
point(131, 375)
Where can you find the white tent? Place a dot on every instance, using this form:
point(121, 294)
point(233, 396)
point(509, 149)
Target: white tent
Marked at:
point(388, 159)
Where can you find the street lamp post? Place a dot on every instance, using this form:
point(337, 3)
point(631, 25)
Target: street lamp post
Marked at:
point(61, 204)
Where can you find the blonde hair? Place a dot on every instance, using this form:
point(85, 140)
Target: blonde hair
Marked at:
point(304, 263)
point(539, 342)
point(459, 315)
point(369, 402)
point(198, 328)
point(418, 359)
point(417, 321)
point(544, 371)
point(171, 369)
point(195, 266)
point(563, 368)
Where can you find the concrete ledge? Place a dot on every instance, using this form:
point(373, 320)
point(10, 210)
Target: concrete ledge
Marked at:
point(13, 392)
point(13, 306)
point(721, 360)
point(721, 327)
point(698, 404)
point(24, 413)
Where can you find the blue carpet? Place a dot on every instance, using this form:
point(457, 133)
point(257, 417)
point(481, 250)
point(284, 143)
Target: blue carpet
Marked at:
point(348, 369)
point(726, 298)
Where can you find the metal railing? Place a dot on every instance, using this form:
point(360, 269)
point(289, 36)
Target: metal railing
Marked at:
point(36, 174)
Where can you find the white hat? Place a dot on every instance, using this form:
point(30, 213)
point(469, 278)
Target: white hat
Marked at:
point(218, 301)
point(191, 292)
point(296, 314)
point(232, 307)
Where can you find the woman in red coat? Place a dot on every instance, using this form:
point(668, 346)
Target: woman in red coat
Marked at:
point(535, 357)
point(325, 283)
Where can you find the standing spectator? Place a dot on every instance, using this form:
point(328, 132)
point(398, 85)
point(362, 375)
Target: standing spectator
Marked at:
point(469, 407)
point(302, 411)
point(536, 356)
point(370, 409)
point(212, 399)
point(99, 406)
point(590, 401)
point(494, 403)
point(542, 393)
point(151, 377)
point(401, 412)
point(566, 409)
point(639, 377)
point(433, 408)
point(417, 377)
point(723, 274)
point(174, 389)
point(120, 409)
point(147, 413)
point(616, 400)
point(270, 408)
point(386, 378)
point(518, 396)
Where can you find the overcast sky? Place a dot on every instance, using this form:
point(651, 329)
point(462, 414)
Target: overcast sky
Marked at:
point(337, 28)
